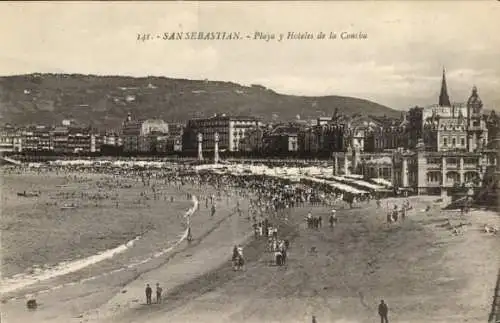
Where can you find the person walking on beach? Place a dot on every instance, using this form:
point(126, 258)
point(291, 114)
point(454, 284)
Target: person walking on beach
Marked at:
point(333, 219)
point(383, 310)
point(159, 290)
point(149, 291)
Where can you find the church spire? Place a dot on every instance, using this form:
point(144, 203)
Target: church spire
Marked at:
point(444, 99)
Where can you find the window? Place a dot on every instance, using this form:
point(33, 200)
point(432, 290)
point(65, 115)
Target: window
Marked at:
point(433, 177)
point(453, 142)
point(434, 161)
point(462, 141)
point(451, 160)
point(445, 141)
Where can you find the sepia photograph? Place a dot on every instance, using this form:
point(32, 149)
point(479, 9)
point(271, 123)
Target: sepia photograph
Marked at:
point(250, 161)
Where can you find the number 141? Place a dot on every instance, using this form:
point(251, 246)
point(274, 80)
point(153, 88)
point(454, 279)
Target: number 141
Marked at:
point(143, 37)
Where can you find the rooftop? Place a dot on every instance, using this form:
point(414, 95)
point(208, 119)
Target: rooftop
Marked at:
point(228, 117)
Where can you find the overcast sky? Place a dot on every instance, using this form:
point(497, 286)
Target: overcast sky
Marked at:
point(399, 64)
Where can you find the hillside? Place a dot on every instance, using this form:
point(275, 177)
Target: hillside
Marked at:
point(104, 101)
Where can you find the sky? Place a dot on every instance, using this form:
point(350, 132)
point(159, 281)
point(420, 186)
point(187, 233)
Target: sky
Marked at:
point(399, 64)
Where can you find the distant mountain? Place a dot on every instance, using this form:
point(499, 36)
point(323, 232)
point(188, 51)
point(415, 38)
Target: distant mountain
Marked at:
point(104, 101)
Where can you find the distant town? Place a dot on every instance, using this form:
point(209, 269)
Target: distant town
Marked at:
point(427, 148)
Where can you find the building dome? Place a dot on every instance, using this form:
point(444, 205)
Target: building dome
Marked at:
point(154, 126)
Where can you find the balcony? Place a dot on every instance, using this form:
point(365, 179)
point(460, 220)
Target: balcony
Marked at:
point(470, 166)
point(434, 166)
point(477, 128)
point(433, 184)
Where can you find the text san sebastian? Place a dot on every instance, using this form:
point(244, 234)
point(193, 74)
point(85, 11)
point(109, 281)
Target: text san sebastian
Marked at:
point(199, 35)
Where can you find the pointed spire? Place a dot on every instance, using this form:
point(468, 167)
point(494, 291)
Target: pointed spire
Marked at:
point(444, 99)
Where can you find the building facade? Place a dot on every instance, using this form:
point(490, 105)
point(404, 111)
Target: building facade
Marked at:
point(448, 147)
point(415, 126)
point(477, 130)
point(82, 140)
point(449, 127)
point(323, 138)
point(357, 129)
point(37, 138)
point(379, 167)
point(168, 144)
point(73, 139)
point(141, 135)
point(387, 134)
point(493, 125)
point(232, 131)
point(281, 140)
point(60, 137)
point(445, 129)
point(10, 139)
point(112, 139)
point(253, 140)
point(428, 172)
point(327, 135)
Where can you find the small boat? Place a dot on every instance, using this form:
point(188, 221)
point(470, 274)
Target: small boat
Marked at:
point(28, 194)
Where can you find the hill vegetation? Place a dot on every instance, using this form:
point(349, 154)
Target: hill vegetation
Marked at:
point(104, 101)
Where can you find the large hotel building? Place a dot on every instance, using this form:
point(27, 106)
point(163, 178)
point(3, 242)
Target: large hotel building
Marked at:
point(449, 146)
point(231, 129)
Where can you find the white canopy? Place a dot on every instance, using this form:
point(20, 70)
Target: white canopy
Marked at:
point(340, 186)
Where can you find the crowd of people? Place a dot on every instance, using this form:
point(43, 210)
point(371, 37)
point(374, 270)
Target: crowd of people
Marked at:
point(398, 212)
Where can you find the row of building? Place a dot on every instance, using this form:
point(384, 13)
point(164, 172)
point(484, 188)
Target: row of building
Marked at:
point(441, 127)
point(58, 139)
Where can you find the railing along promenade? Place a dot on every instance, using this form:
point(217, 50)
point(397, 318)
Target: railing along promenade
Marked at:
point(495, 304)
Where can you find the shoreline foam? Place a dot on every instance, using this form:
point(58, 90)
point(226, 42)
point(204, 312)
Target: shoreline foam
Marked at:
point(20, 281)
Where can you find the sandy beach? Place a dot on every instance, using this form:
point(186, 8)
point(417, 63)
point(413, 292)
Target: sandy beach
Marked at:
point(424, 272)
